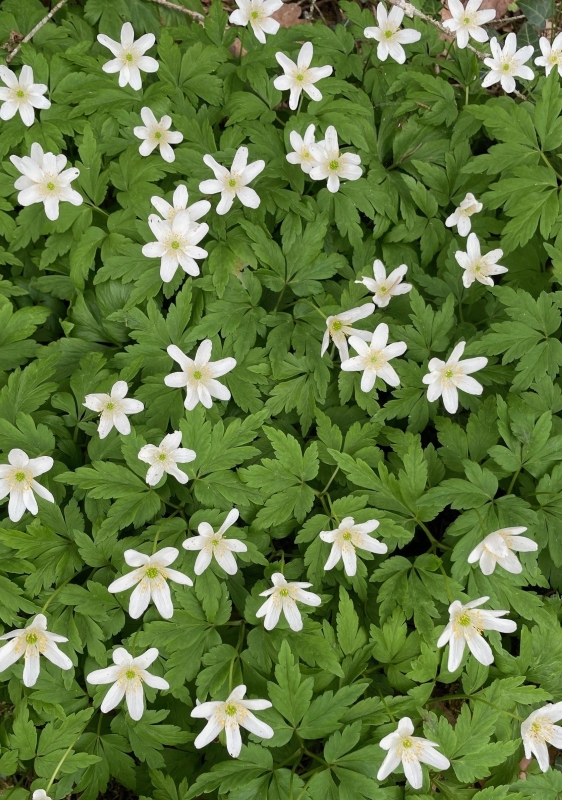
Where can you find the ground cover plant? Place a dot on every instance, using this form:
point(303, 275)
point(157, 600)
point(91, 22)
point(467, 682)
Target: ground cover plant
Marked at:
point(280, 406)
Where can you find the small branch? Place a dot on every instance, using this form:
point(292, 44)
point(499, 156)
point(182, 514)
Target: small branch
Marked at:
point(32, 32)
point(505, 20)
point(175, 7)
point(411, 11)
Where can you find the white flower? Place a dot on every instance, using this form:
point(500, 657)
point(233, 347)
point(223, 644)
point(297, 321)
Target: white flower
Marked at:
point(40, 794)
point(412, 752)
point(258, 14)
point(176, 245)
point(300, 77)
point(465, 627)
point(151, 575)
point(21, 95)
point(18, 480)
point(157, 134)
point(301, 149)
point(497, 548)
point(233, 183)
point(445, 377)
point(229, 715)
point(508, 64)
point(113, 408)
point(45, 180)
point(385, 287)
point(165, 457)
point(128, 676)
point(332, 164)
point(213, 543)
point(338, 327)
point(476, 266)
point(461, 215)
point(199, 375)
point(538, 730)
point(180, 198)
point(32, 642)
point(347, 538)
point(466, 21)
point(389, 36)
point(373, 358)
point(129, 56)
point(551, 54)
point(283, 597)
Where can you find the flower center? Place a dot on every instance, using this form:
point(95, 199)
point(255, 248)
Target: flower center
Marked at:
point(230, 710)
point(157, 135)
point(284, 592)
point(464, 620)
point(337, 325)
point(197, 375)
point(346, 536)
point(383, 289)
point(152, 573)
point(31, 638)
point(20, 93)
point(175, 245)
point(50, 186)
point(506, 67)
point(255, 15)
point(109, 406)
point(215, 541)
point(388, 34)
point(130, 674)
point(449, 373)
point(467, 20)
point(232, 183)
point(129, 57)
point(299, 77)
point(407, 743)
point(162, 457)
point(19, 476)
point(334, 164)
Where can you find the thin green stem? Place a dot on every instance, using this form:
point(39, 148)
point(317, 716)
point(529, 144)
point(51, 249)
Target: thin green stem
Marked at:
point(63, 759)
point(512, 484)
point(479, 700)
point(547, 162)
point(430, 536)
point(325, 489)
point(236, 656)
point(52, 597)
point(96, 208)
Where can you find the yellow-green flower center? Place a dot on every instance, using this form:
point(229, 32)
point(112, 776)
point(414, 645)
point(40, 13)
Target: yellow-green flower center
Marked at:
point(110, 406)
point(464, 620)
point(162, 457)
point(230, 710)
point(347, 536)
point(50, 186)
point(130, 674)
point(388, 34)
point(232, 183)
point(334, 164)
point(337, 325)
point(407, 743)
point(157, 135)
point(299, 77)
point(129, 57)
point(175, 245)
point(449, 373)
point(383, 289)
point(31, 638)
point(20, 476)
point(254, 15)
point(152, 573)
point(20, 93)
point(197, 375)
point(284, 592)
point(505, 67)
point(466, 20)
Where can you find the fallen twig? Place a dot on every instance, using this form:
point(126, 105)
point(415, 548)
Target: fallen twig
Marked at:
point(32, 32)
point(175, 7)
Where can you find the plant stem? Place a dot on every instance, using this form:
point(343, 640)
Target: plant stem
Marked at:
point(52, 597)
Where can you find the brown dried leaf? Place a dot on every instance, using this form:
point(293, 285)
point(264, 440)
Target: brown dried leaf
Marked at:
point(235, 49)
point(288, 15)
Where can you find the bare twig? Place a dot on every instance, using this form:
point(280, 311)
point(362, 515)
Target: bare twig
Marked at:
point(504, 20)
point(32, 32)
point(412, 11)
point(175, 7)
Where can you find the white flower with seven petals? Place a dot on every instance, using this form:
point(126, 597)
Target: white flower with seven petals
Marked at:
point(31, 643)
point(539, 730)
point(466, 623)
point(411, 751)
point(551, 54)
point(151, 578)
point(212, 543)
point(157, 134)
point(498, 547)
point(179, 200)
point(114, 408)
point(301, 149)
point(446, 377)
point(257, 13)
point(233, 183)
point(128, 676)
point(165, 458)
point(283, 597)
point(508, 64)
point(389, 35)
point(478, 267)
point(386, 287)
point(176, 245)
point(333, 165)
point(348, 537)
point(461, 215)
point(338, 326)
point(199, 375)
point(229, 715)
point(130, 56)
point(466, 21)
point(21, 95)
point(300, 77)
point(18, 480)
point(373, 358)
point(45, 180)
